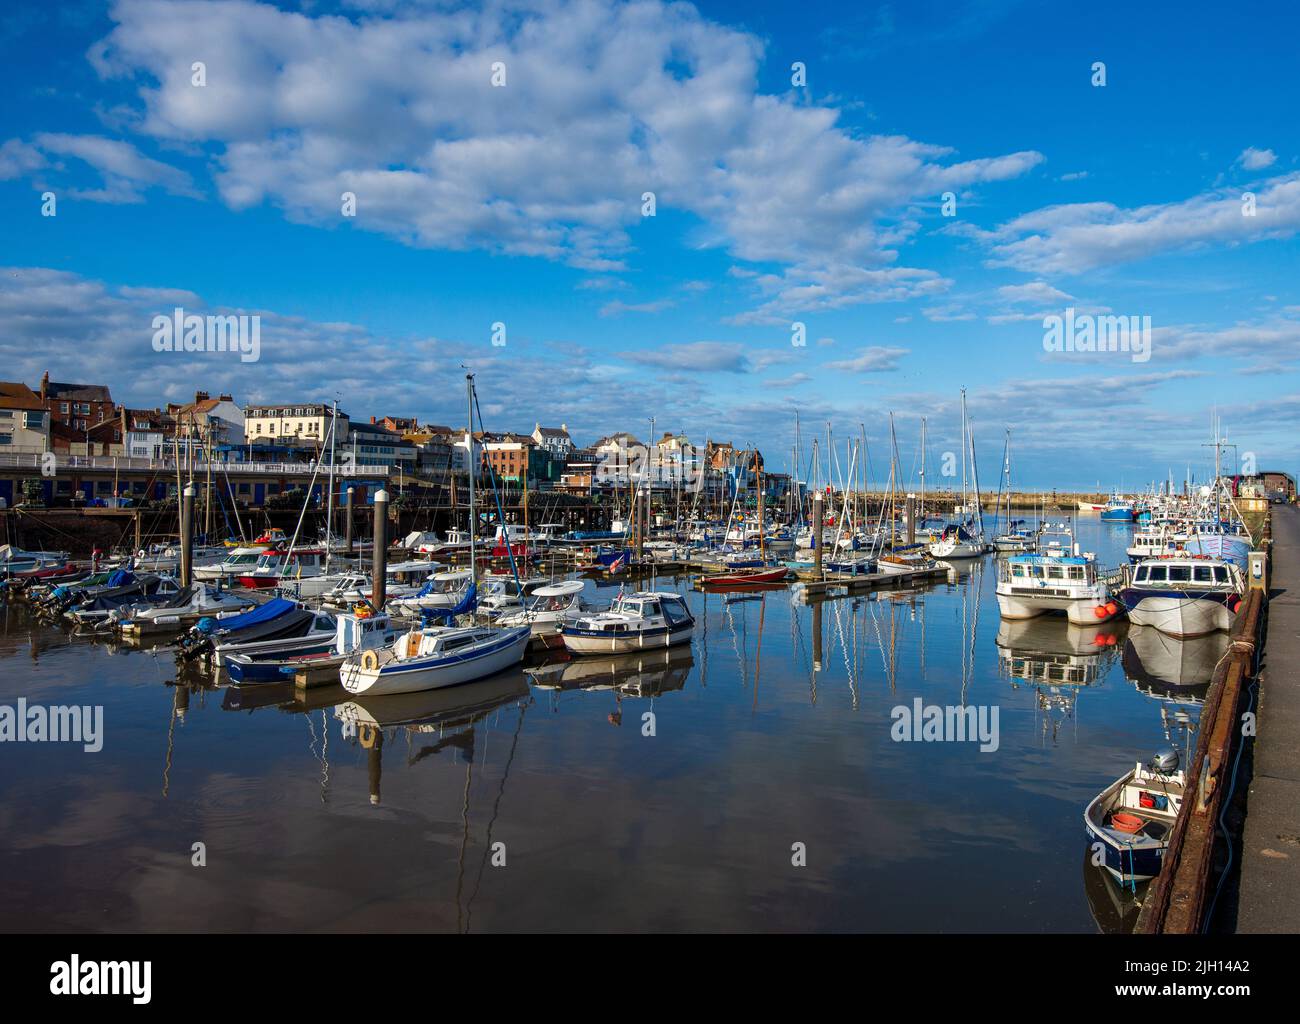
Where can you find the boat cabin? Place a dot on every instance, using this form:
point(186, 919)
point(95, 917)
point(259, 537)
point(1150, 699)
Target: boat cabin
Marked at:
point(1182, 573)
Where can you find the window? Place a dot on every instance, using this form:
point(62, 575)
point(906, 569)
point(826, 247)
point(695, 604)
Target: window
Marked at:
point(1159, 573)
point(1076, 572)
point(1220, 574)
point(1204, 574)
point(1055, 572)
point(1180, 573)
point(1141, 574)
point(6, 438)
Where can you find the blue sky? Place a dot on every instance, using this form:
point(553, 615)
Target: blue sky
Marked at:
point(776, 204)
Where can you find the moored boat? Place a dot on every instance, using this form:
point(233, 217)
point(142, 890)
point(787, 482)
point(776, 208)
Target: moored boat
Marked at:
point(1130, 821)
point(431, 657)
point(1183, 595)
point(640, 621)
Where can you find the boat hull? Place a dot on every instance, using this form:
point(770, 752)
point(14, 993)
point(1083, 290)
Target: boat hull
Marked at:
point(1081, 610)
point(436, 673)
point(1178, 615)
point(581, 641)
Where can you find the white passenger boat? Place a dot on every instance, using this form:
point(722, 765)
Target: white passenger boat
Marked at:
point(1130, 821)
point(1034, 584)
point(431, 657)
point(1183, 595)
point(635, 622)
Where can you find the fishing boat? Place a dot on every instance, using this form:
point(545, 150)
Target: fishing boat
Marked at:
point(1151, 542)
point(1183, 595)
point(552, 607)
point(1117, 510)
point(1130, 821)
point(1030, 585)
point(431, 657)
point(1090, 506)
point(635, 622)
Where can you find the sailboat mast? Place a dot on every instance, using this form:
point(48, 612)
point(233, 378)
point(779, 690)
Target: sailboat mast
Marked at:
point(329, 500)
point(469, 441)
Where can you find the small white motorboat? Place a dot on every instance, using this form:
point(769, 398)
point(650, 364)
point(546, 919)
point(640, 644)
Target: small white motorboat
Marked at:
point(635, 622)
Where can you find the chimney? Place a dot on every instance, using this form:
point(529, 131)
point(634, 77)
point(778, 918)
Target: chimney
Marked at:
point(201, 396)
point(372, 420)
point(45, 382)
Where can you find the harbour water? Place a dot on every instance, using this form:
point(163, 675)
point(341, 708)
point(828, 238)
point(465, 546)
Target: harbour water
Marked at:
point(545, 800)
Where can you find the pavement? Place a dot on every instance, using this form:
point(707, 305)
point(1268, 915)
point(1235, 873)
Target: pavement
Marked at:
point(1269, 897)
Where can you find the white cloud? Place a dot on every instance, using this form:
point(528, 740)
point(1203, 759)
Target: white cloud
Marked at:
point(874, 359)
point(603, 101)
point(125, 172)
point(1253, 159)
point(1075, 238)
point(1033, 291)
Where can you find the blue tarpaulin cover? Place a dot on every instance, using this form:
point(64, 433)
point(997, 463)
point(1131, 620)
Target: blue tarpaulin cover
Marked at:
point(271, 610)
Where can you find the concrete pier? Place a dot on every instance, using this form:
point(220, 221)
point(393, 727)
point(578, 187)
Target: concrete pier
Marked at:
point(1270, 869)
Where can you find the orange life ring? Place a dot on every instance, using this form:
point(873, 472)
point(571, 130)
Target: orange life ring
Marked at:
point(370, 660)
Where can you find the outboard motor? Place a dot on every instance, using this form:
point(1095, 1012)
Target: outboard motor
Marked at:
point(198, 639)
point(1165, 761)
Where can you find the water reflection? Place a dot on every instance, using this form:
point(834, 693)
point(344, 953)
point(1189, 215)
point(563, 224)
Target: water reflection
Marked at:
point(326, 812)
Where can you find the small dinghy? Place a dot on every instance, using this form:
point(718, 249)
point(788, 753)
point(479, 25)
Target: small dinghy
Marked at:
point(746, 577)
point(1132, 818)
